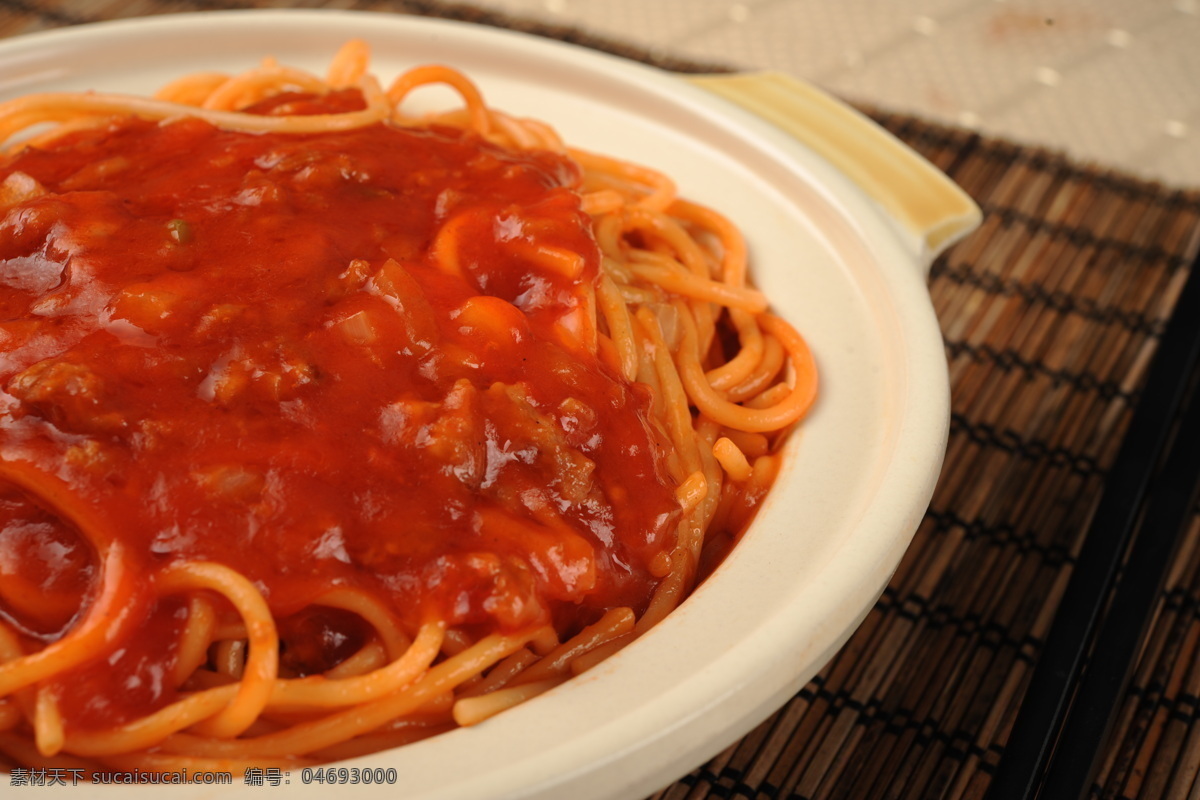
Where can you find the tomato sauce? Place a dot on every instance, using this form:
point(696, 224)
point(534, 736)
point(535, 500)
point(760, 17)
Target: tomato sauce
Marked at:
point(357, 359)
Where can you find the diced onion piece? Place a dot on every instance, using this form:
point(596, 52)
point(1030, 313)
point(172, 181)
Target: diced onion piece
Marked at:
point(17, 188)
point(358, 328)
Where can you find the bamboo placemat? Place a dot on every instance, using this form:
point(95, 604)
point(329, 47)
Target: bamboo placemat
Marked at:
point(1051, 313)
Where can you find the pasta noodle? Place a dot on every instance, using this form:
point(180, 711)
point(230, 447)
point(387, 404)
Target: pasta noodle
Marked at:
point(550, 512)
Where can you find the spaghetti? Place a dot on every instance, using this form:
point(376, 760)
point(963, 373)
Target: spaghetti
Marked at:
point(326, 427)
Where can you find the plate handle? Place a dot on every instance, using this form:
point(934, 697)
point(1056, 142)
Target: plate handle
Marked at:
point(930, 211)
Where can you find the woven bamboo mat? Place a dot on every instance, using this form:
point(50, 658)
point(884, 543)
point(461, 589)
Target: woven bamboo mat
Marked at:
point(1051, 313)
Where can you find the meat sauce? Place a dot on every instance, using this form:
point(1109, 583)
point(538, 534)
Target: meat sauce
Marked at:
point(363, 358)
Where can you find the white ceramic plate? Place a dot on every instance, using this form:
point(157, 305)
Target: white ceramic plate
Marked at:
point(858, 476)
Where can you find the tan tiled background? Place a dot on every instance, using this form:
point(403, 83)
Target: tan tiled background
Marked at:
point(1111, 81)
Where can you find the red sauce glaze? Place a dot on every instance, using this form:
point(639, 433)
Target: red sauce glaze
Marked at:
point(259, 350)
